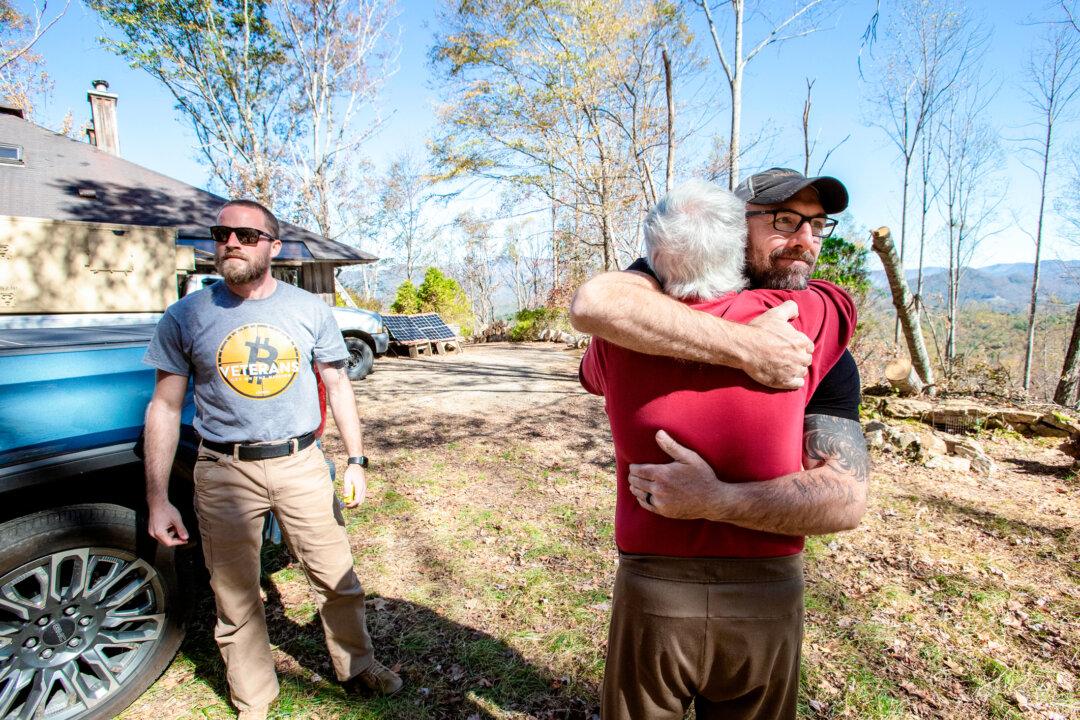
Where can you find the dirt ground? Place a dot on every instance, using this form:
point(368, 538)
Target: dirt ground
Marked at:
point(486, 547)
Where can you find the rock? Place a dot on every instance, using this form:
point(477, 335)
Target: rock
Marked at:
point(878, 434)
point(875, 438)
point(956, 442)
point(1043, 430)
point(905, 407)
point(904, 440)
point(1071, 447)
point(980, 461)
point(1020, 417)
point(1062, 422)
point(970, 449)
point(949, 462)
point(932, 445)
point(983, 464)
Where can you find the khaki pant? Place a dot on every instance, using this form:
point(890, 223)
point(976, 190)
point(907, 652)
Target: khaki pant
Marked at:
point(722, 633)
point(231, 498)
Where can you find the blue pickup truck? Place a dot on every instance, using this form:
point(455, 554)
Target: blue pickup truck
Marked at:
point(90, 606)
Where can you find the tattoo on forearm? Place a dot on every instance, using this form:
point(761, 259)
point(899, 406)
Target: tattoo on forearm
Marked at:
point(838, 442)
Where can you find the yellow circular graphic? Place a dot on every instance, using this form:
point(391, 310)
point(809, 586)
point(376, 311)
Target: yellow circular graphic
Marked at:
point(258, 361)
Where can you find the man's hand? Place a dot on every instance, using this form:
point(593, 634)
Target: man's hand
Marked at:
point(683, 489)
point(779, 354)
point(165, 525)
point(354, 485)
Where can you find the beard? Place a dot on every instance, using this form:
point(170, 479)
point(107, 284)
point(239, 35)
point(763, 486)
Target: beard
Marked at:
point(769, 276)
point(243, 272)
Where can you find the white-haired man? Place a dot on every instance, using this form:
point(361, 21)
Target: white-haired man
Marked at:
point(708, 595)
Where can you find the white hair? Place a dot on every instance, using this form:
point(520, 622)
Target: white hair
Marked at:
point(695, 238)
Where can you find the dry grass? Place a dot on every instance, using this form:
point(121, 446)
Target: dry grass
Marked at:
point(486, 549)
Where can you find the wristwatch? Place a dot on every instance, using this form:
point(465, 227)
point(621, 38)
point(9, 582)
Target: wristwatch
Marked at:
point(360, 460)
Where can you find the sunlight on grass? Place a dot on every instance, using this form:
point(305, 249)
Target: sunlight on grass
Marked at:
point(490, 578)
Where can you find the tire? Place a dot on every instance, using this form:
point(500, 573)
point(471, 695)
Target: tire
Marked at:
point(88, 624)
point(361, 358)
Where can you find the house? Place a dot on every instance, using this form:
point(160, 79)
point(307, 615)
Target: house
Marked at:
point(88, 208)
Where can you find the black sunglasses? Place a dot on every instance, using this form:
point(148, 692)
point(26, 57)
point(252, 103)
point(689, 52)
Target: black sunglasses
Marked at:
point(245, 235)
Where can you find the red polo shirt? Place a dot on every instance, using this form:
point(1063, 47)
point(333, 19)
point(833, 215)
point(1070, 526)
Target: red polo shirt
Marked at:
point(745, 431)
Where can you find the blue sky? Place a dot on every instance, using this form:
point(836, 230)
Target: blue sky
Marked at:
point(152, 134)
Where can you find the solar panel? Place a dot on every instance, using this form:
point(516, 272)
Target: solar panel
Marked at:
point(402, 328)
point(432, 327)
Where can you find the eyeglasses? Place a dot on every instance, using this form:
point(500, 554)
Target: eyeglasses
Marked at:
point(789, 221)
point(245, 235)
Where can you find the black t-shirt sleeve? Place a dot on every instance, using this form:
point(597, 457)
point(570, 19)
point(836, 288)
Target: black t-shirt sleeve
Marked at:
point(641, 265)
point(838, 393)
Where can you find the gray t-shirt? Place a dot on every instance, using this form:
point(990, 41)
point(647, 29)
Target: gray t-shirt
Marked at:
point(251, 359)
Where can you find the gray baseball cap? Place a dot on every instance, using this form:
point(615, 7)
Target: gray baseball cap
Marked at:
point(776, 185)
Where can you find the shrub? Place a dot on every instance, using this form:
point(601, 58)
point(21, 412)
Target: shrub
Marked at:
point(407, 299)
point(441, 294)
point(528, 324)
point(844, 263)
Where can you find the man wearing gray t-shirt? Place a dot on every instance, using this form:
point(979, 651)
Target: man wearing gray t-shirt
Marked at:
point(250, 343)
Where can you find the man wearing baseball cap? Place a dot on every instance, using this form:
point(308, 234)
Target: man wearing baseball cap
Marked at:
point(787, 217)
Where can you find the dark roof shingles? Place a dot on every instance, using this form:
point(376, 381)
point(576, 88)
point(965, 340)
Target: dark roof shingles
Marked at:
point(56, 168)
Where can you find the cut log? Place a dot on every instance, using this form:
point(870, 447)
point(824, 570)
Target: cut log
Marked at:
point(902, 376)
point(881, 241)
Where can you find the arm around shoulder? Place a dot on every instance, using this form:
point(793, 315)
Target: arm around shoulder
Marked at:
point(629, 309)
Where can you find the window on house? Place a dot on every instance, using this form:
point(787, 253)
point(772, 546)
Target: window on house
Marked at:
point(11, 154)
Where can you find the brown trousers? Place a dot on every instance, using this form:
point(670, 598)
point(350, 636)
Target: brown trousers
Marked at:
point(722, 633)
point(231, 499)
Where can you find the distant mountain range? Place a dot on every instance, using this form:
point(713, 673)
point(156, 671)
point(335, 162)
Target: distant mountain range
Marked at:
point(1005, 288)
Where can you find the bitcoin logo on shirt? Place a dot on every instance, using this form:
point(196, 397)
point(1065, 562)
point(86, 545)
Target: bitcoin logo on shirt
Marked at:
point(258, 361)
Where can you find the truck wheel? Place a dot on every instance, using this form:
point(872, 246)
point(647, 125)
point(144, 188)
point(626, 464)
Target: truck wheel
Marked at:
point(85, 624)
point(361, 359)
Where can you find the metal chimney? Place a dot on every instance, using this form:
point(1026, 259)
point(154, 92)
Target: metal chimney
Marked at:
point(104, 134)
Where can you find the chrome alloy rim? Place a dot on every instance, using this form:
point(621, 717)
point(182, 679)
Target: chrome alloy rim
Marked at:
point(74, 626)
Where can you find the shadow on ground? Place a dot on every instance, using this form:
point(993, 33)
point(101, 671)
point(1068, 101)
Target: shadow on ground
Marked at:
point(450, 670)
point(990, 522)
point(1027, 466)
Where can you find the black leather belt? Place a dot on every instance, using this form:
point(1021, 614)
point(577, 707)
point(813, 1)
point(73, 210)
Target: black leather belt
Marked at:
point(262, 451)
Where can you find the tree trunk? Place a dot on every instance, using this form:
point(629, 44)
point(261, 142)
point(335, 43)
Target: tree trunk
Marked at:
point(554, 232)
point(902, 301)
point(736, 96)
point(1070, 370)
point(343, 292)
point(950, 289)
point(670, 175)
point(806, 128)
point(1038, 255)
point(903, 237)
point(924, 209)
